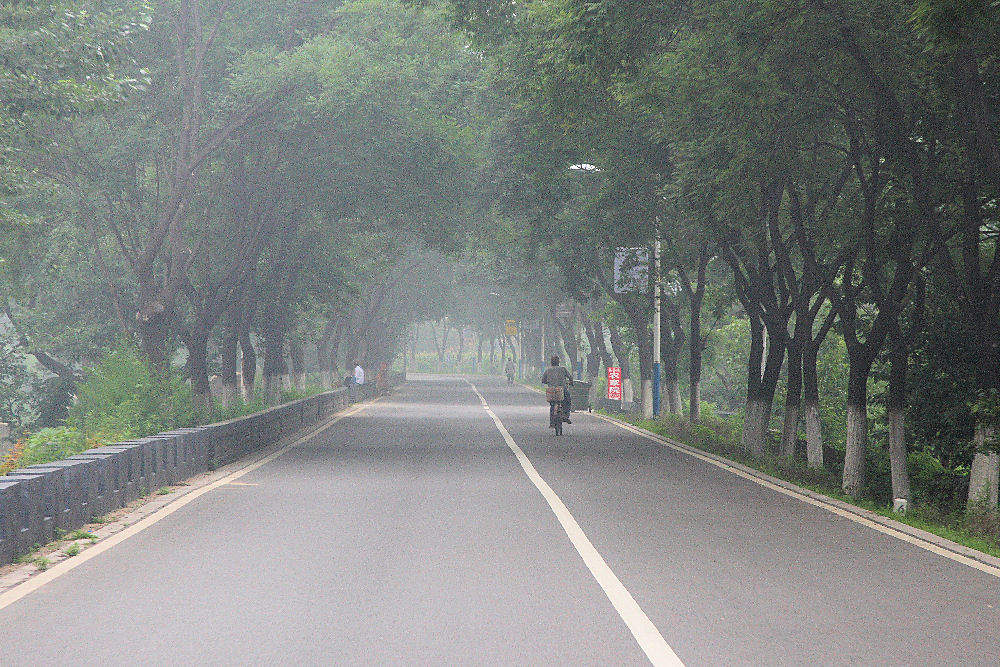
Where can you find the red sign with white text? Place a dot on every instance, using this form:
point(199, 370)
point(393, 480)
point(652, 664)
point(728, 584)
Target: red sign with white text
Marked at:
point(614, 383)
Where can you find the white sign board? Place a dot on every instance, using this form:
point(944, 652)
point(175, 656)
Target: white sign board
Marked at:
point(631, 270)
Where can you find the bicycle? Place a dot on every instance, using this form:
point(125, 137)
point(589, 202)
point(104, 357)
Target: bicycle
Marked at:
point(556, 416)
point(558, 408)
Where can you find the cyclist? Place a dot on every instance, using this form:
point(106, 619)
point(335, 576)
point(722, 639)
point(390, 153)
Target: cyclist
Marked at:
point(509, 370)
point(557, 376)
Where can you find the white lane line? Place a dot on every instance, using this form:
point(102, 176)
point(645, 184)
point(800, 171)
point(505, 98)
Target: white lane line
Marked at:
point(31, 585)
point(887, 530)
point(649, 638)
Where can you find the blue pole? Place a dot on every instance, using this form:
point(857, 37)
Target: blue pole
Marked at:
point(656, 389)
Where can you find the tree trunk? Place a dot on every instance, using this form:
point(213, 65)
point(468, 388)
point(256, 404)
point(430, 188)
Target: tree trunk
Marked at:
point(274, 365)
point(324, 355)
point(814, 434)
point(694, 372)
point(249, 363)
point(793, 396)
point(620, 350)
point(297, 354)
point(985, 472)
point(894, 406)
point(602, 347)
point(762, 379)
point(230, 343)
point(335, 345)
point(197, 366)
point(696, 344)
point(857, 425)
point(568, 338)
point(152, 328)
point(755, 424)
point(671, 343)
point(671, 385)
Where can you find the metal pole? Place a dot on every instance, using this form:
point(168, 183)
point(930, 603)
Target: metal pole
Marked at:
point(656, 323)
point(541, 348)
point(520, 352)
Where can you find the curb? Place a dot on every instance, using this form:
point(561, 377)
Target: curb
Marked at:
point(831, 504)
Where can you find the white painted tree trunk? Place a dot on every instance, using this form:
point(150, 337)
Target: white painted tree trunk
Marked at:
point(755, 427)
point(897, 455)
point(647, 399)
point(674, 397)
point(790, 430)
point(694, 410)
point(985, 472)
point(326, 377)
point(814, 436)
point(857, 443)
point(300, 381)
point(272, 388)
point(229, 394)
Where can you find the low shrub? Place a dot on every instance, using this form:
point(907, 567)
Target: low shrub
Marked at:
point(51, 444)
point(123, 397)
point(294, 394)
point(931, 483)
point(223, 413)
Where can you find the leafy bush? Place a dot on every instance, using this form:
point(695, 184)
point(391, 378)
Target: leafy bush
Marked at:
point(240, 408)
point(123, 398)
point(51, 444)
point(290, 395)
point(931, 483)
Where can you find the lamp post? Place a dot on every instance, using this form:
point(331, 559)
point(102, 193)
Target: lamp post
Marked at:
point(657, 294)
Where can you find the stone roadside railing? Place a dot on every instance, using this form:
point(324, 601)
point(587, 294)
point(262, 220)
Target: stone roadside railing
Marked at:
point(66, 494)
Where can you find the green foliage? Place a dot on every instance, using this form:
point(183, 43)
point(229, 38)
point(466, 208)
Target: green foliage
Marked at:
point(239, 408)
point(80, 535)
point(932, 484)
point(123, 398)
point(15, 396)
point(52, 444)
point(289, 395)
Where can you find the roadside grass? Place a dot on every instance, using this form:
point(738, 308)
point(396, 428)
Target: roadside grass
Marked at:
point(80, 535)
point(977, 529)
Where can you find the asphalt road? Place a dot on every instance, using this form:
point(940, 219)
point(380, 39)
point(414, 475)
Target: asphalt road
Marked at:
point(411, 534)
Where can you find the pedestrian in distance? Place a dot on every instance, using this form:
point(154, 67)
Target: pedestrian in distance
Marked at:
point(509, 371)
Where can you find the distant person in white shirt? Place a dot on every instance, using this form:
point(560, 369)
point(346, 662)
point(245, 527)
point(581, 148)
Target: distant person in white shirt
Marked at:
point(359, 373)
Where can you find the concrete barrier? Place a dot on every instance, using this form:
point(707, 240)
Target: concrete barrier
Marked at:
point(67, 494)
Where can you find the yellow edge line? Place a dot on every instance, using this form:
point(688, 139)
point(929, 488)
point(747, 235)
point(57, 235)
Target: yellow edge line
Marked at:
point(21, 590)
point(892, 532)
